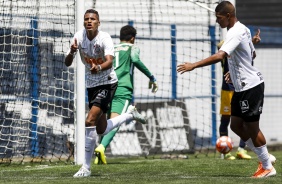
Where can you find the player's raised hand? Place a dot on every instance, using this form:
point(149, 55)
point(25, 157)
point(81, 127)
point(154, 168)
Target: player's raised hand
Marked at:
point(186, 67)
point(256, 39)
point(74, 46)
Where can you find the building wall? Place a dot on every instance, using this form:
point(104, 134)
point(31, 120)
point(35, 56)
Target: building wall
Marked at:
point(260, 12)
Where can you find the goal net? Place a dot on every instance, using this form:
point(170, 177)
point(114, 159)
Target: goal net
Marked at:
point(37, 91)
point(183, 113)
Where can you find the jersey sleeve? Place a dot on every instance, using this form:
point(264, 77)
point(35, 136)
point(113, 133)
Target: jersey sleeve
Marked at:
point(135, 57)
point(231, 42)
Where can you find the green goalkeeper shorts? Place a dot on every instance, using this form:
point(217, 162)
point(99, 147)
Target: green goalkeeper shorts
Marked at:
point(120, 104)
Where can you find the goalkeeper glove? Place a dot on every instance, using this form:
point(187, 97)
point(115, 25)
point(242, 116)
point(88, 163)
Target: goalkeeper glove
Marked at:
point(153, 84)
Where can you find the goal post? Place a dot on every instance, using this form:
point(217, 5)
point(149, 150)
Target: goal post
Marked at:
point(80, 93)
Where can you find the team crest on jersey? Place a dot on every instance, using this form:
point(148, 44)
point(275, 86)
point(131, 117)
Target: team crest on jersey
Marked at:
point(244, 106)
point(226, 109)
point(97, 49)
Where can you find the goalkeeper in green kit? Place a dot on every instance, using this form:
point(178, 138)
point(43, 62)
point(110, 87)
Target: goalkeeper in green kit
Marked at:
point(126, 58)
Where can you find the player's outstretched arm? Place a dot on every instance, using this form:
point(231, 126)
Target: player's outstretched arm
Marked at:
point(187, 66)
point(135, 56)
point(153, 81)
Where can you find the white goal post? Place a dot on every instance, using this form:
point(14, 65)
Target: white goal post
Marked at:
point(80, 93)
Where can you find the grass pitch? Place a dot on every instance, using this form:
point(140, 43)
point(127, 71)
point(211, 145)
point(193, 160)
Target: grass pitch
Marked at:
point(204, 170)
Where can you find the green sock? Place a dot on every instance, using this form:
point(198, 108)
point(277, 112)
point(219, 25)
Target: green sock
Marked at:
point(107, 139)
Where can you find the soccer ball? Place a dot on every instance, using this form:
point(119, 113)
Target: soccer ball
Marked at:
point(224, 144)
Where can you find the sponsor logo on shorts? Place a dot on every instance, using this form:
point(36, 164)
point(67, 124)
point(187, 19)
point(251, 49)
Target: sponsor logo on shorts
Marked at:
point(244, 106)
point(102, 94)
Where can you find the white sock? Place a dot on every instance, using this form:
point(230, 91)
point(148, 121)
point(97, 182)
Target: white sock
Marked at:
point(250, 144)
point(263, 156)
point(117, 121)
point(90, 142)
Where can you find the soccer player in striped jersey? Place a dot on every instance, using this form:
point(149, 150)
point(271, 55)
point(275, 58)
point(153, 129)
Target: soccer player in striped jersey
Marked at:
point(247, 100)
point(127, 57)
point(97, 51)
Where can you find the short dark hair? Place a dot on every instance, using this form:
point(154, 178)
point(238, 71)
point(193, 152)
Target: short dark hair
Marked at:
point(225, 7)
point(127, 32)
point(92, 11)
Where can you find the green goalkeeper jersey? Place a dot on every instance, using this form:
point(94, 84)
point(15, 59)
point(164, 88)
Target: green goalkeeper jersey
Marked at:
point(126, 58)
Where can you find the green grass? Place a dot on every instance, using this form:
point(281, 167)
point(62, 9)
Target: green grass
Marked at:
point(202, 170)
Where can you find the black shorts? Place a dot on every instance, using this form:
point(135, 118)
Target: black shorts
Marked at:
point(248, 104)
point(101, 96)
